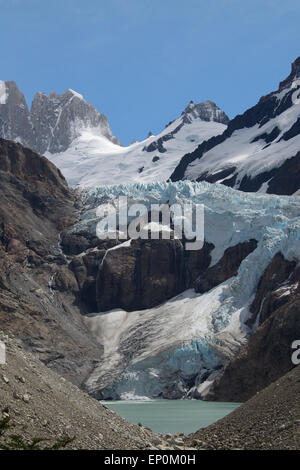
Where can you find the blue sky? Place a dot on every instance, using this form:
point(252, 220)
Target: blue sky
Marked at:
point(141, 61)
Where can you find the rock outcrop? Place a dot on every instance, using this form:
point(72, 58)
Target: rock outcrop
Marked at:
point(143, 275)
point(41, 404)
point(14, 115)
point(207, 111)
point(267, 354)
point(225, 268)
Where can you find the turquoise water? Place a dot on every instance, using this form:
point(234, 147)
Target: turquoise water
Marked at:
point(170, 416)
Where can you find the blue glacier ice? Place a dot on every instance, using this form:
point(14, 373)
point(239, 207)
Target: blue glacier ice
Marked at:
point(192, 332)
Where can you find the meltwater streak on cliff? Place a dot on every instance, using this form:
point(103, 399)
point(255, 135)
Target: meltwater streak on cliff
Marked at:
point(192, 332)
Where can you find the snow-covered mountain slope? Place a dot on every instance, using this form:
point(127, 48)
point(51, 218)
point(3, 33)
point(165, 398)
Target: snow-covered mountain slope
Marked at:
point(53, 121)
point(177, 347)
point(77, 138)
point(93, 160)
point(259, 151)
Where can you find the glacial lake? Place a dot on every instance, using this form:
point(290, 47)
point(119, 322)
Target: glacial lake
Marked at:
point(171, 416)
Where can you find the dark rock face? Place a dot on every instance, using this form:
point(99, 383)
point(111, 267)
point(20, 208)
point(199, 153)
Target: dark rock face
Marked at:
point(37, 181)
point(267, 355)
point(144, 274)
point(38, 291)
point(53, 121)
point(225, 268)
point(86, 269)
point(179, 172)
point(86, 253)
point(286, 178)
point(150, 272)
point(197, 262)
point(268, 137)
point(281, 180)
point(217, 176)
point(141, 276)
point(74, 244)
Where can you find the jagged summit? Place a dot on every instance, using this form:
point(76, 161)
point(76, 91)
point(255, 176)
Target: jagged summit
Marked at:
point(93, 162)
point(295, 73)
point(53, 121)
point(58, 119)
point(206, 111)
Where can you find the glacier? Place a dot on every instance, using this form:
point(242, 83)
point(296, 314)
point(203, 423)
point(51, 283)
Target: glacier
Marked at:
point(187, 339)
point(247, 151)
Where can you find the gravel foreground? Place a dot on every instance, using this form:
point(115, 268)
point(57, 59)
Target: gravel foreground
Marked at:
point(42, 404)
point(269, 421)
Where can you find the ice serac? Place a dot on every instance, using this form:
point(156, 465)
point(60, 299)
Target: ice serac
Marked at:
point(176, 349)
point(260, 149)
point(93, 160)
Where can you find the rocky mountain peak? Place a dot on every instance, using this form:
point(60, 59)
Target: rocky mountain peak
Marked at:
point(53, 121)
point(206, 111)
point(59, 118)
point(295, 73)
point(296, 66)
